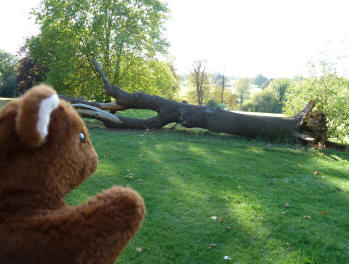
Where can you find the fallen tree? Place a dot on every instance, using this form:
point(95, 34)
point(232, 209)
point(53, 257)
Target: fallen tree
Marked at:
point(308, 125)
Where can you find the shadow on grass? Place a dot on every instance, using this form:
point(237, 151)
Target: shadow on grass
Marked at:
point(307, 194)
point(260, 193)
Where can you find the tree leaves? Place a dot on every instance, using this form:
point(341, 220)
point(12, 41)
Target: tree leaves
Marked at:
point(331, 93)
point(124, 36)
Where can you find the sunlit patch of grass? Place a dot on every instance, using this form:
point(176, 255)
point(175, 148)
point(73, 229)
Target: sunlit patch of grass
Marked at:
point(4, 101)
point(269, 204)
point(137, 113)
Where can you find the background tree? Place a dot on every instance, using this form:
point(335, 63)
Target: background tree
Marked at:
point(331, 94)
point(242, 88)
point(266, 83)
point(221, 82)
point(29, 73)
point(124, 35)
point(199, 79)
point(271, 99)
point(259, 80)
point(264, 101)
point(279, 87)
point(230, 99)
point(8, 82)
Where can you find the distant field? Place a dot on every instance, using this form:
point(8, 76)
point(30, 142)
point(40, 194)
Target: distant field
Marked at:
point(258, 113)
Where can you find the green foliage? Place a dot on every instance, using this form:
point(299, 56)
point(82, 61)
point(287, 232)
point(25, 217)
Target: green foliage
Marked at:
point(266, 83)
point(279, 87)
point(8, 82)
point(264, 101)
point(213, 103)
point(150, 76)
point(229, 99)
point(124, 36)
point(221, 91)
point(242, 88)
point(331, 94)
point(8, 85)
point(259, 80)
point(271, 99)
point(259, 193)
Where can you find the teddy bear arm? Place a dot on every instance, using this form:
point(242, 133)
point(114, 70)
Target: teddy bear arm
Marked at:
point(96, 231)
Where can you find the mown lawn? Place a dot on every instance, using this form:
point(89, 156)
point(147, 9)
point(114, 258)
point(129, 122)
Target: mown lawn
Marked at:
point(271, 203)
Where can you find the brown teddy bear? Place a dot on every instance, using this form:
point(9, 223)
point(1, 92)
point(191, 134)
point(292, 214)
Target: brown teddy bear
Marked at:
point(45, 152)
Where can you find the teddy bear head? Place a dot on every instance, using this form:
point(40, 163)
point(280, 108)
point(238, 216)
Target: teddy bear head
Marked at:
point(45, 151)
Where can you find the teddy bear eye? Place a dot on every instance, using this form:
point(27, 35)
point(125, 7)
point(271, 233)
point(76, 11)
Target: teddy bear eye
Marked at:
point(82, 137)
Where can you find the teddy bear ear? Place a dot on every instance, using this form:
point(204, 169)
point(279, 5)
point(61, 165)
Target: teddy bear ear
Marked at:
point(33, 116)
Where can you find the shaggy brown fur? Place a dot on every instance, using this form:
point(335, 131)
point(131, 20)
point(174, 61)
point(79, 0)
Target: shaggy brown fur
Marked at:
point(35, 174)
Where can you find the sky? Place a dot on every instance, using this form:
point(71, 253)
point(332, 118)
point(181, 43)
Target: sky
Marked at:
point(242, 38)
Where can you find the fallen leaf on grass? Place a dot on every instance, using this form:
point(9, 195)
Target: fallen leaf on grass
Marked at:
point(317, 173)
point(324, 213)
point(284, 212)
point(286, 205)
point(138, 250)
point(307, 217)
point(227, 258)
point(211, 246)
point(216, 218)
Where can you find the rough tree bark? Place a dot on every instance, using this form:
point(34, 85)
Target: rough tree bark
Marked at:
point(305, 126)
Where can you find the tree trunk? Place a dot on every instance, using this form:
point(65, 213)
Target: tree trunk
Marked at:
point(305, 126)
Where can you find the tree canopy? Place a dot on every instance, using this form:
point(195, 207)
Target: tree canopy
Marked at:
point(279, 88)
point(259, 80)
point(8, 82)
point(199, 79)
point(125, 36)
point(242, 87)
point(331, 94)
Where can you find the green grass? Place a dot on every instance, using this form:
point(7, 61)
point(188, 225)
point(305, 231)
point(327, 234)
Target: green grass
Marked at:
point(186, 178)
point(3, 102)
point(271, 206)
